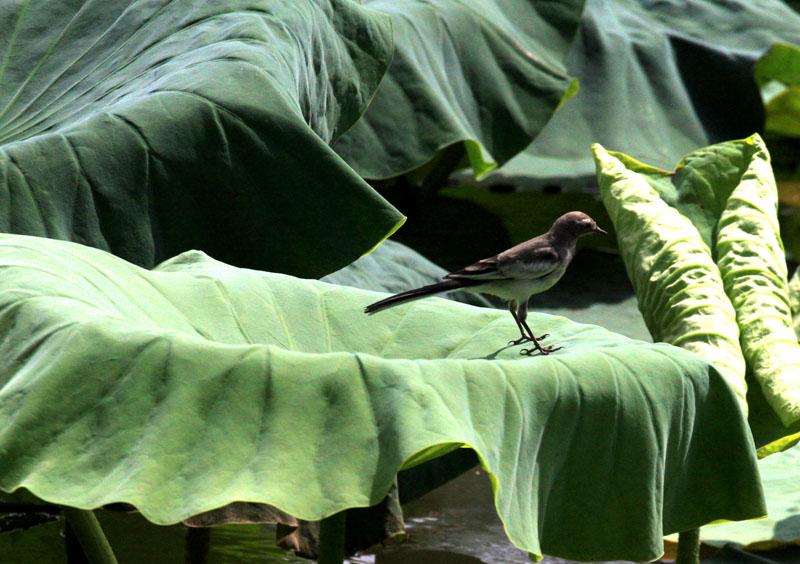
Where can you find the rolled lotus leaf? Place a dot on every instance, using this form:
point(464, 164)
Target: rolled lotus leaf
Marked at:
point(679, 288)
point(794, 301)
point(728, 192)
point(750, 257)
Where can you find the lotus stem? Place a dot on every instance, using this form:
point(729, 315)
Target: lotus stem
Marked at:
point(93, 542)
point(331, 539)
point(688, 547)
point(198, 543)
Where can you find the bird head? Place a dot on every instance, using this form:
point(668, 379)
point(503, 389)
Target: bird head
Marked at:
point(575, 224)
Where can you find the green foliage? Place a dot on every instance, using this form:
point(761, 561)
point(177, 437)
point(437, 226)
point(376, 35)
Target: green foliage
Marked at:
point(197, 384)
point(147, 129)
point(702, 247)
point(151, 128)
point(488, 73)
point(778, 74)
point(658, 80)
point(782, 488)
point(679, 288)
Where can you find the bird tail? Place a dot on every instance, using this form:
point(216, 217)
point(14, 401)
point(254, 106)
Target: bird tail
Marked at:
point(416, 294)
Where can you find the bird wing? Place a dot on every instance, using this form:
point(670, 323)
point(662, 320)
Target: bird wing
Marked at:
point(529, 263)
point(525, 261)
point(483, 269)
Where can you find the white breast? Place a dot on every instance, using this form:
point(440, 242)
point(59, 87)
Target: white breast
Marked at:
point(520, 289)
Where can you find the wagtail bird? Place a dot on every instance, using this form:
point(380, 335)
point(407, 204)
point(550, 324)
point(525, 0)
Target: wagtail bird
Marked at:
point(514, 275)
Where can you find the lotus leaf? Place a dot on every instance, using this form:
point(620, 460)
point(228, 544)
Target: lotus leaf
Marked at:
point(488, 73)
point(752, 261)
point(152, 127)
point(658, 80)
point(198, 384)
point(779, 474)
point(679, 288)
point(778, 74)
point(725, 195)
point(794, 300)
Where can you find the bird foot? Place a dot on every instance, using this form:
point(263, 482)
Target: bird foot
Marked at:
point(525, 339)
point(544, 351)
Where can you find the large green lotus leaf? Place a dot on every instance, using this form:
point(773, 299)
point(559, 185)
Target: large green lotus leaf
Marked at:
point(198, 384)
point(150, 128)
point(489, 73)
point(658, 80)
point(726, 194)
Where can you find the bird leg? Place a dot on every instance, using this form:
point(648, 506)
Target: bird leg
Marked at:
point(522, 314)
point(512, 307)
point(519, 311)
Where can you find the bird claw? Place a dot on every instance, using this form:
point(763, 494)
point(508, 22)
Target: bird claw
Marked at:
point(544, 351)
point(525, 339)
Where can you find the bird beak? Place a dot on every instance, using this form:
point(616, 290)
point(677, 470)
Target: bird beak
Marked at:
point(598, 230)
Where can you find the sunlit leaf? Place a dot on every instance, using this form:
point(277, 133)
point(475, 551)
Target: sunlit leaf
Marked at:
point(729, 192)
point(197, 384)
point(725, 198)
point(679, 288)
point(778, 74)
point(794, 300)
point(751, 259)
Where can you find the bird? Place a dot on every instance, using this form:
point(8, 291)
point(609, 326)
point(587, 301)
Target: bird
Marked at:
point(514, 275)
